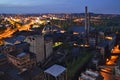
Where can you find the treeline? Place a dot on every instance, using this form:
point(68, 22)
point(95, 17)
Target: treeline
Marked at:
point(65, 24)
point(108, 22)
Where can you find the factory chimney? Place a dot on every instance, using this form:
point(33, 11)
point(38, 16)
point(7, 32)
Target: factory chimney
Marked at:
point(87, 23)
point(86, 20)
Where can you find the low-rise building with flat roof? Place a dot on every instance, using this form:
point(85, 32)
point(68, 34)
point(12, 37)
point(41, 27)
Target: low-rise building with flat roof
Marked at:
point(10, 72)
point(22, 60)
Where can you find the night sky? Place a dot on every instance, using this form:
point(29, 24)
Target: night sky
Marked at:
point(59, 6)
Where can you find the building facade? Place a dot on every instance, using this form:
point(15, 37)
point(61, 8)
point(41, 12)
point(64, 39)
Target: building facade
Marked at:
point(37, 46)
point(48, 48)
point(22, 61)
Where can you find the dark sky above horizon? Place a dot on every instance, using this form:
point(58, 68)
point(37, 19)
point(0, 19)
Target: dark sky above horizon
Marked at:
point(59, 6)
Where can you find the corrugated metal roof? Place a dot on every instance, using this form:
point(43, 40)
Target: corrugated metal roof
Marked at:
point(55, 70)
point(14, 39)
point(21, 54)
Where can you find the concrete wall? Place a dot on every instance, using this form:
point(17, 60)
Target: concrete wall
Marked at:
point(48, 48)
point(37, 46)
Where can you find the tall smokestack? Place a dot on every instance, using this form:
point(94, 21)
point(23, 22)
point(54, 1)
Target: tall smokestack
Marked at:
point(86, 20)
point(88, 23)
